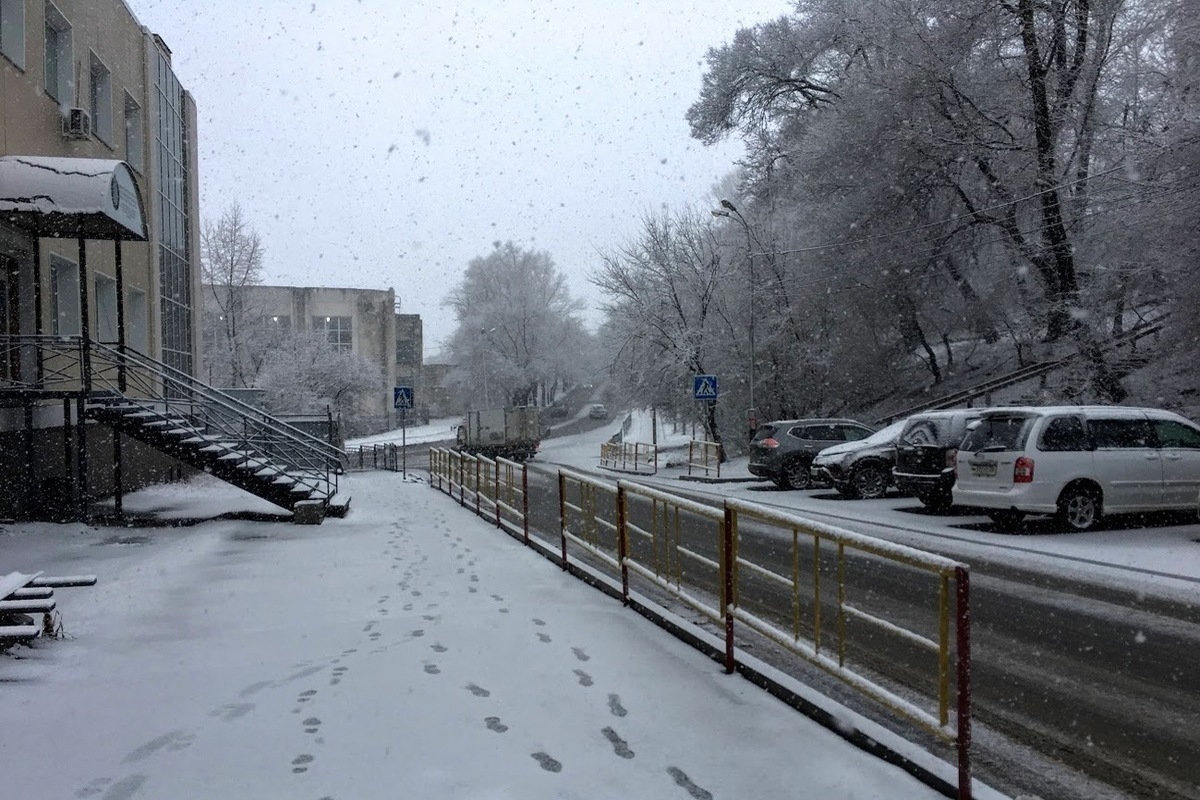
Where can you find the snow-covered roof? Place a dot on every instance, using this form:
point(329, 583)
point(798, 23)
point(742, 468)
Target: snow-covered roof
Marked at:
point(72, 197)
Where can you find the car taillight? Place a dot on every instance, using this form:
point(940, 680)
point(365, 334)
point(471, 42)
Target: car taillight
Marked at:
point(1023, 470)
point(769, 443)
point(952, 458)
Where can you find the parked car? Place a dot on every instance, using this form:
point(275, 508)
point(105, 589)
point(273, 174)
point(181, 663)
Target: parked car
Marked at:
point(1078, 463)
point(861, 469)
point(925, 455)
point(783, 450)
point(597, 411)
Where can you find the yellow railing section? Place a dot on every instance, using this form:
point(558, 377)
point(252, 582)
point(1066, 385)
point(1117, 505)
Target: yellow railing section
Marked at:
point(835, 598)
point(629, 456)
point(704, 456)
point(808, 606)
point(820, 555)
point(497, 489)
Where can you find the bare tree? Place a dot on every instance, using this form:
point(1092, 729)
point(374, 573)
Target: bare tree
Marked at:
point(669, 294)
point(231, 260)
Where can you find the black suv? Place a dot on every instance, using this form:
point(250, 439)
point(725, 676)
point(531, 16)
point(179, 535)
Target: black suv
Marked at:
point(925, 455)
point(783, 450)
point(862, 469)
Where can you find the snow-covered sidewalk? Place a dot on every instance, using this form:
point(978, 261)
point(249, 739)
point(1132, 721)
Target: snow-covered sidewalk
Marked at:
point(408, 650)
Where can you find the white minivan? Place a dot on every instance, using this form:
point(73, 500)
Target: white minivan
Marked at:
point(1077, 463)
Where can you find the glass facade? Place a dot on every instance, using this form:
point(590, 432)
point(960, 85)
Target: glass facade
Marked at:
point(174, 258)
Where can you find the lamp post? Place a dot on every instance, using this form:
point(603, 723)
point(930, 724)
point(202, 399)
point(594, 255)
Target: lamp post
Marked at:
point(729, 211)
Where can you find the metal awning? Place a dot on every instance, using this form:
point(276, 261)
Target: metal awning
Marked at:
point(84, 198)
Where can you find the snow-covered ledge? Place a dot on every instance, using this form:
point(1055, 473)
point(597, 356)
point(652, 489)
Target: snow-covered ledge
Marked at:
point(86, 198)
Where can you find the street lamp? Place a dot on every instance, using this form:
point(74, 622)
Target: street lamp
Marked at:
point(729, 211)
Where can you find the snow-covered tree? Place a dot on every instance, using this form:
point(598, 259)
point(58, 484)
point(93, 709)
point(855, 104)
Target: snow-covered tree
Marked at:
point(518, 331)
point(231, 259)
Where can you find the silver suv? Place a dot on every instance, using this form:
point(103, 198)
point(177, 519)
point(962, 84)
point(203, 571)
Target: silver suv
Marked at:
point(783, 450)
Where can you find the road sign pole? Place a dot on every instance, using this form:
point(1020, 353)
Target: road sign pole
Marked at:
point(404, 443)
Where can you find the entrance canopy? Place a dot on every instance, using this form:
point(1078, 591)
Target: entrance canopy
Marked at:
point(85, 198)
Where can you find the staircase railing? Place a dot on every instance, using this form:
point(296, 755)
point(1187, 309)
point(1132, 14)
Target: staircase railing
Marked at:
point(72, 365)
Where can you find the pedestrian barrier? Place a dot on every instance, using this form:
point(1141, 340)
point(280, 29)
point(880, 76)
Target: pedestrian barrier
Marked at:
point(497, 489)
point(629, 457)
point(375, 456)
point(704, 456)
point(811, 610)
point(822, 607)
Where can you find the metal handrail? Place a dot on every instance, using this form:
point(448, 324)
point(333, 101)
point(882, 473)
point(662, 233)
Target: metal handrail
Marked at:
point(113, 371)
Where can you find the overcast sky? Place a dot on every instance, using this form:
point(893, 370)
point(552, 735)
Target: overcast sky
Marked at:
point(382, 144)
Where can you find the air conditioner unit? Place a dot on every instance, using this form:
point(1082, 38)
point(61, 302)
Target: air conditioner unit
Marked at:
point(77, 124)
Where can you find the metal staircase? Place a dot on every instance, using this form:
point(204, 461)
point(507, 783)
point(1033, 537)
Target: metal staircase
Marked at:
point(181, 416)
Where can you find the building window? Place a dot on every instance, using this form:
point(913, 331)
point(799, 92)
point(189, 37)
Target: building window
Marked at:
point(64, 297)
point(133, 133)
point(337, 331)
point(174, 256)
point(101, 97)
point(106, 309)
point(58, 57)
point(137, 333)
point(12, 31)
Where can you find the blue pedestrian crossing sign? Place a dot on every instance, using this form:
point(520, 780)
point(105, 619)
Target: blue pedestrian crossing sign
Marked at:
point(402, 397)
point(704, 387)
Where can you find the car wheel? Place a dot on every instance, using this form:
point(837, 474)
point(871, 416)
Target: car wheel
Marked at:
point(795, 476)
point(1007, 519)
point(1079, 508)
point(870, 482)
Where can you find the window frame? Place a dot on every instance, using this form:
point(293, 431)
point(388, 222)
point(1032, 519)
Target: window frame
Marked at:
point(105, 287)
point(12, 32)
point(64, 56)
point(64, 303)
point(100, 98)
point(325, 324)
point(137, 320)
point(135, 140)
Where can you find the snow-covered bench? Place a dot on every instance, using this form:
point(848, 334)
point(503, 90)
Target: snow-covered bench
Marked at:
point(24, 594)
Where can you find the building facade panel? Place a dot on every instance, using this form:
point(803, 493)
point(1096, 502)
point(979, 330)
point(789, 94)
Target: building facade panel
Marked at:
point(95, 56)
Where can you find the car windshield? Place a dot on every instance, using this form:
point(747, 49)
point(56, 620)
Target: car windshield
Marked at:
point(885, 435)
point(998, 434)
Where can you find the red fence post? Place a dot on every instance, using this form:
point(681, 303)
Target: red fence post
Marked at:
point(962, 579)
point(462, 481)
point(727, 589)
point(496, 490)
point(525, 501)
point(562, 515)
point(622, 543)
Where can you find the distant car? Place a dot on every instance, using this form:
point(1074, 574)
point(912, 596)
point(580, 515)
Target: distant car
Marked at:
point(926, 452)
point(783, 450)
point(597, 411)
point(1077, 463)
point(862, 469)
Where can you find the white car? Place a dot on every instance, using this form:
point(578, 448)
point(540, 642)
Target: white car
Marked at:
point(1077, 463)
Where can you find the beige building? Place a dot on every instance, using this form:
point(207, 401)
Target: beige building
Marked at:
point(99, 211)
point(362, 321)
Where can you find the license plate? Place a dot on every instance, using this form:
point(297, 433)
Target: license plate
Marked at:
point(986, 469)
